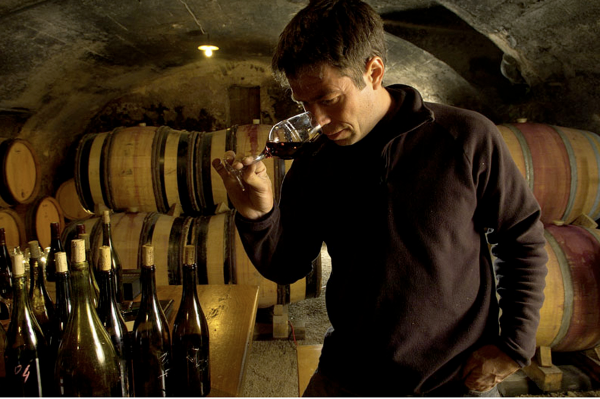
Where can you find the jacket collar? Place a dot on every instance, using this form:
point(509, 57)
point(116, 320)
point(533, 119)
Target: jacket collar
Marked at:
point(408, 111)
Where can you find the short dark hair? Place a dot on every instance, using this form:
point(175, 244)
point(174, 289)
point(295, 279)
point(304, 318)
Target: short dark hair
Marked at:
point(344, 34)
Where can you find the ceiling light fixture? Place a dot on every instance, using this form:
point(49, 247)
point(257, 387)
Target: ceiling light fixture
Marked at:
point(207, 47)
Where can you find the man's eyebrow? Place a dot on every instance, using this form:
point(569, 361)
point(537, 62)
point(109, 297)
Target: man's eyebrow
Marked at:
point(317, 97)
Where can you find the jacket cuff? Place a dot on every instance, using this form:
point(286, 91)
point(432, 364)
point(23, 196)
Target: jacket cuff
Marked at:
point(245, 224)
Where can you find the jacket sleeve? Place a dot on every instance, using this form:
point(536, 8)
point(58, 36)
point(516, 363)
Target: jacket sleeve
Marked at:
point(516, 236)
point(283, 244)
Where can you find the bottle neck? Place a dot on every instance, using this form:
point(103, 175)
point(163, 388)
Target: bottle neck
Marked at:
point(56, 245)
point(80, 285)
point(3, 248)
point(106, 235)
point(108, 295)
point(149, 285)
point(5, 261)
point(20, 299)
point(37, 277)
point(190, 282)
point(63, 288)
point(63, 298)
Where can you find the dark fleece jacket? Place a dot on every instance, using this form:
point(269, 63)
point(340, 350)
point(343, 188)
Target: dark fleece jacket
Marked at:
point(405, 213)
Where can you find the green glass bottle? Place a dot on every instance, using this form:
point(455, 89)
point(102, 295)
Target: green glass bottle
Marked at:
point(6, 290)
point(39, 299)
point(152, 340)
point(87, 363)
point(64, 304)
point(191, 365)
point(55, 246)
point(110, 315)
point(116, 261)
point(3, 342)
point(26, 344)
point(88, 255)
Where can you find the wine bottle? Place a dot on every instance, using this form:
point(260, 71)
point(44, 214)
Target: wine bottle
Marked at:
point(88, 255)
point(110, 315)
point(116, 262)
point(90, 258)
point(39, 299)
point(152, 340)
point(6, 293)
point(26, 344)
point(63, 306)
point(87, 363)
point(3, 342)
point(191, 366)
point(55, 246)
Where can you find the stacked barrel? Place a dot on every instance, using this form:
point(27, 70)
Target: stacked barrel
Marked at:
point(161, 185)
point(562, 167)
point(24, 214)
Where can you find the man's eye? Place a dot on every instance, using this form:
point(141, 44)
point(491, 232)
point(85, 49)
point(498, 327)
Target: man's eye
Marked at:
point(330, 101)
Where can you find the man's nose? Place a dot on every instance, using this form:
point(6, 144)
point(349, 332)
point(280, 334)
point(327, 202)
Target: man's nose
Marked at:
point(320, 116)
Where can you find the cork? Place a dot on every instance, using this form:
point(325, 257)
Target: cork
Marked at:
point(106, 217)
point(34, 249)
point(189, 255)
point(147, 255)
point(61, 262)
point(105, 259)
point(18, 268)
point(77, 250)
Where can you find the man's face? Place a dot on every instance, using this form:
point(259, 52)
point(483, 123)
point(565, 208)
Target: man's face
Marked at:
point(344, 111)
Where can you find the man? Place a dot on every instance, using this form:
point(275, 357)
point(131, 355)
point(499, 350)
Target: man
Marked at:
point(404, 194)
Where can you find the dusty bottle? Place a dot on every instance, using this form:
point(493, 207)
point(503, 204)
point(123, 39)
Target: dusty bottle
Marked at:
point(26, 345)
point(152, 340)
point(110, 315)
point(92, 277)
point(39, 299)
point(6, 291)
point(191, 365)
point(55, 246)
point(3, 342)
point(87, 363)
point(63, 306)
point(116, 262)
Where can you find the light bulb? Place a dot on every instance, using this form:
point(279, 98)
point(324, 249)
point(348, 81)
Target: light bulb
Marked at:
point(208, 49)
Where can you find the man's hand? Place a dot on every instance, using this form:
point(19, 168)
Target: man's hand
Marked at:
point(487, 367)
point(256, 199)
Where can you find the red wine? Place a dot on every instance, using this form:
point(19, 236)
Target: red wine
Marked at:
point(284, 149)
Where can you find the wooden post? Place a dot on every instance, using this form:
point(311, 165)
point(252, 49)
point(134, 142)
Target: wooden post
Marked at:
point(546, 376)
point(280, 321)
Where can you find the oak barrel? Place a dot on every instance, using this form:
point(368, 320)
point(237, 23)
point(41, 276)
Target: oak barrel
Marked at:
point(14, 229)
point(37, 218)
point(561, 165)
point(220, 255)
point(69, 202)
point(152, 169)
point(570, 316)
point(20, 174)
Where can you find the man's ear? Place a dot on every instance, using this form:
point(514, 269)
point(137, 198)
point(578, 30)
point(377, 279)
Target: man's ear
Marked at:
point(374, 71)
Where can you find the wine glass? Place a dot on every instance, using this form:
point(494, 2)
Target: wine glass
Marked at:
point(285, 139)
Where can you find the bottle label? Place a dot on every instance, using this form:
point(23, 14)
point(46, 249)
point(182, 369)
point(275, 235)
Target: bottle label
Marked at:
point(197, 359)
point(29, 377)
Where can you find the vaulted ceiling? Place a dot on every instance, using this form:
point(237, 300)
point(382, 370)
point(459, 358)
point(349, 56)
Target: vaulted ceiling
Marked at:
point(47, 41)
point(70, 57)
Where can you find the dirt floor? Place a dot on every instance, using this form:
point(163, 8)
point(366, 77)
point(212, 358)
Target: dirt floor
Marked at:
point(272, 369)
